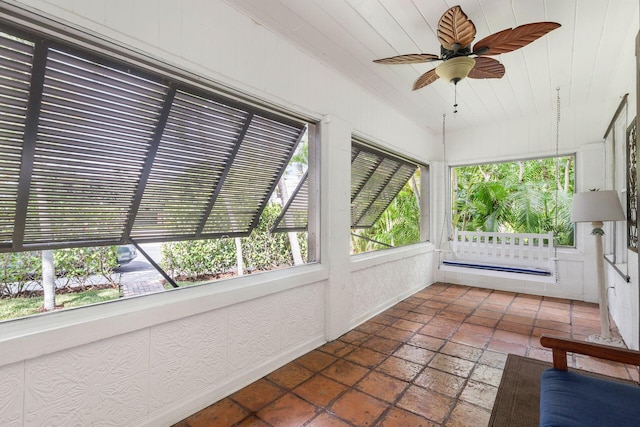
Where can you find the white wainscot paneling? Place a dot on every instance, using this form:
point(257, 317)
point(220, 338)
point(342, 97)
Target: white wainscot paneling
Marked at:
point(253, 332)
point(187, 356)
point(102, 383)
point(261, 329)
point(11, 394)
point(304, 315)
point(379, 286)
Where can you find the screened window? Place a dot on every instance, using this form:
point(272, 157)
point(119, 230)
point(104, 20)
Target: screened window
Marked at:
point(386, 207)
point(100, 158)
point(526, 196)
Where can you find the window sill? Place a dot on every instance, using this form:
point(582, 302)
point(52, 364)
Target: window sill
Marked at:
point(35, 336)
point(369, 259)
point(620, 269)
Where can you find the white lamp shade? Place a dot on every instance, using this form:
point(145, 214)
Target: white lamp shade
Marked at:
point(592, 206)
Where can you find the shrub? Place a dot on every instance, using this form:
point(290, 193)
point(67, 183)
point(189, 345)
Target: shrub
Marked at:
point(17, 270)
point(262, 250)
point(22, 271)
point(79, 264)
point(196, 258)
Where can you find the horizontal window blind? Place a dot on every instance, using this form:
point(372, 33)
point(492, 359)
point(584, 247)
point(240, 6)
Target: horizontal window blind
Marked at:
point(16, 59)
point(99, 152)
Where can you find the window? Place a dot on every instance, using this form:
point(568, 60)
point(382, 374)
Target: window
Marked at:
point(385, 199)
point(526, 196)
point(99, 153)
point(387, 209)
point(616, 153)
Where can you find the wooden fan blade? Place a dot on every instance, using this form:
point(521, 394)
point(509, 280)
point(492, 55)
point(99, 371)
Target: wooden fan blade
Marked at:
point(414, 58)
point(486, 68)
point(455, 27)
point(425, 79)
point(513, 38)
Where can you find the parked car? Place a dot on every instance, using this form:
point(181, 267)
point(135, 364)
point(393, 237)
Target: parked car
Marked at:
point(126, 254)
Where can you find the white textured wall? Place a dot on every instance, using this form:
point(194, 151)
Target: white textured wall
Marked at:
point(379, 280)
point(157, 359)
point(162, 373)
point(623, 300)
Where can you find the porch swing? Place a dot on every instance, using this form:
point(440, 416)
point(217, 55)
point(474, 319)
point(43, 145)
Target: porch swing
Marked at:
point(519, 256)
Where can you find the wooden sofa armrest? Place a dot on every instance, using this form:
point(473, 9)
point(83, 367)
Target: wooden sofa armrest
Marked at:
point(560, 346)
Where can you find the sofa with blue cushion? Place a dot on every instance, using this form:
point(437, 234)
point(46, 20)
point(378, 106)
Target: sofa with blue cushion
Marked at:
point(570, 399)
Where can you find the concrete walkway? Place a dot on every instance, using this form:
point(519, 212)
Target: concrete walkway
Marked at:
point(132, 289)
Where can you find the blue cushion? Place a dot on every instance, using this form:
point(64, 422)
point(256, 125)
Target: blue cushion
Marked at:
point(569, 399)
point(495, 267)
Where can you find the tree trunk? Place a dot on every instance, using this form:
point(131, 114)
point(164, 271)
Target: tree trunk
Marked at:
point(239, 263)
point(520, 171)
point(414, 187)
point(48, 280)
point(293, 236)
point(486, 176)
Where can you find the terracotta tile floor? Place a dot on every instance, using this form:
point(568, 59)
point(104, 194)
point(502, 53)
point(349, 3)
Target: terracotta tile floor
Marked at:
point(434, 359)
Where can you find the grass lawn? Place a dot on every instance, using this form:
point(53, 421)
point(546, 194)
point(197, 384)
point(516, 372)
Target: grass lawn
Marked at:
point(20, 307)
point(182, 284)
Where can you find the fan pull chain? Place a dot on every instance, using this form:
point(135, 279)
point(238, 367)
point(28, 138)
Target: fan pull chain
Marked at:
point(455, 98)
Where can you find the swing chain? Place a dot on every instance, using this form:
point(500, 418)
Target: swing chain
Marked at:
point(447, 213)
point(555, 219)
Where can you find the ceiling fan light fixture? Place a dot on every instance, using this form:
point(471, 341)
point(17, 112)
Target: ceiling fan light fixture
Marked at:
point(455, 69)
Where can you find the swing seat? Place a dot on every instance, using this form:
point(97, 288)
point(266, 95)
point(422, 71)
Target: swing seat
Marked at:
point(526, 256)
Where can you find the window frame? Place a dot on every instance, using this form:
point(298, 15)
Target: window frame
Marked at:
point(424, 189)
point(104, 320)
point(615, 151)
point(450, 190)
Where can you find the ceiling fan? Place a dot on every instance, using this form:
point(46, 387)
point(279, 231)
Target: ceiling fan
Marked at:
point(455, 33)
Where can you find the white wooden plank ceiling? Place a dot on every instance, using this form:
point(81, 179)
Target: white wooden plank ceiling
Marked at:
point(349, 34)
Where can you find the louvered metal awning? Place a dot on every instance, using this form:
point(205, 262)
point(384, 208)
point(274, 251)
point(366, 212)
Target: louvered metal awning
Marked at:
point(295, 213)
point(376, 179)
point(93, 152)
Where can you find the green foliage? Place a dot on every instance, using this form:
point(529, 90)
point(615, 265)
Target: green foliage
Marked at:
point(17, 269)
point(398, 225)
point(262, 250)
point(78, 264)
point(517, 197)
point(195, 258)
point(300, 158)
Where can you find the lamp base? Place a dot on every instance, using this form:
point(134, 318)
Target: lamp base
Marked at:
point(600, 339)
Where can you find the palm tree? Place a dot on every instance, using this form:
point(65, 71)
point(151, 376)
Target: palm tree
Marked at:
point(525, 196)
